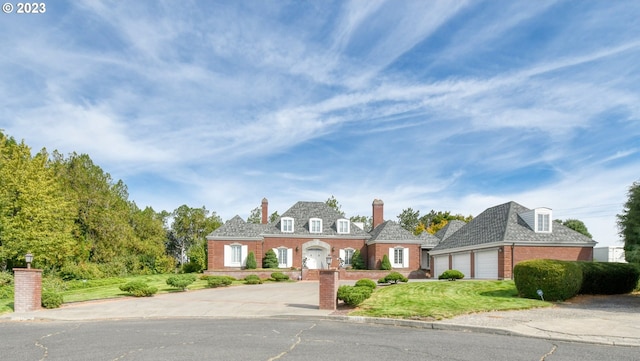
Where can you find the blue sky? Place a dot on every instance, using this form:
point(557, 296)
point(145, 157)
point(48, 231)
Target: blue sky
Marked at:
point(449, 105)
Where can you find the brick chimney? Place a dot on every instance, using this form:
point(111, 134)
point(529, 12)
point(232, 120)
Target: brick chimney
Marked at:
point(265, 211)
point(378, 212)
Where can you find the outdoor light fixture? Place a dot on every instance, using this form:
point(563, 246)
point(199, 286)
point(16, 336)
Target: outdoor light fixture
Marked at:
point(297, 248)
point(328, 261)
point(29, 258)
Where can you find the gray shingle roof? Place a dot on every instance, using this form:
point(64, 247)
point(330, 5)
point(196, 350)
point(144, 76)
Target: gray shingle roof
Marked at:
point(236, 227)
point(428, 239)
point(390, 231)
point(502, 224)
point(450, 228)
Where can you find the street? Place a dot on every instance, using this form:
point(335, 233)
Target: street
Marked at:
point(275, 339)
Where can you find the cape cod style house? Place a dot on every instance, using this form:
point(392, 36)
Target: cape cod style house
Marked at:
point(490, 245)
point(307, 233)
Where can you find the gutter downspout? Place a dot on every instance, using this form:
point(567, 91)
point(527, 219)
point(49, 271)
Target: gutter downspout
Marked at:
point(513, 245)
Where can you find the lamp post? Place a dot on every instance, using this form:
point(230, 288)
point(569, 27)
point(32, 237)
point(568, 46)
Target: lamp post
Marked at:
point(328, 262)
point(29, 258)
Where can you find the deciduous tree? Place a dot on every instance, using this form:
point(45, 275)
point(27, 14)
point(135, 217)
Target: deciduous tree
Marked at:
point(629, 224)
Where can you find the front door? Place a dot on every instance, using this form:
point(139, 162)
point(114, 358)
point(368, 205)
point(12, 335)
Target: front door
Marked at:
point(314, 257)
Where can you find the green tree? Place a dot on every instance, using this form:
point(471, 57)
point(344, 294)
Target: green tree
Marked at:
point(274, 217)
point(333, 203)
point(251, 261)
point(356, 260)
point(578, 226)
point(255, 216)
point(34, 213)
point(270, 259)
point(385, 264)
point(366, 221)
point(189, 226)
point(409, 219)
point(629, 224)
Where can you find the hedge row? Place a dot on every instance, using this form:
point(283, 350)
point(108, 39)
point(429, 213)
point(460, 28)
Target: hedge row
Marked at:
point(561, 280)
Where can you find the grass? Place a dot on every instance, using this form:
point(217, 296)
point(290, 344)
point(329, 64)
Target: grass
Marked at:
point(438, 300)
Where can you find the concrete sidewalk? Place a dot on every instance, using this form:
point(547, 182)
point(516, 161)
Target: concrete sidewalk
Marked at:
point(612, 320)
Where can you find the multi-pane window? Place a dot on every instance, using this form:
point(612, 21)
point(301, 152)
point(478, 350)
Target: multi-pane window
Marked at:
point(398, 254)
point(343, 226)
point(286, 225)
point(315, 225)
point(348, 255)
point(236, 253)
point(282, 257)
point(543, 223)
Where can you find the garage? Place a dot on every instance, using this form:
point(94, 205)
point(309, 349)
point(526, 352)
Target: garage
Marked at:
point(462, 262)
point(441, 264)
point(487, 264)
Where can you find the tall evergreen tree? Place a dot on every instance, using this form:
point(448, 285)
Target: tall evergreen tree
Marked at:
point(629, 224)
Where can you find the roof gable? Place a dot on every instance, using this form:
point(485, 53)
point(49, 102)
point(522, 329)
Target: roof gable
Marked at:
point(302, 212)
point(390, 231)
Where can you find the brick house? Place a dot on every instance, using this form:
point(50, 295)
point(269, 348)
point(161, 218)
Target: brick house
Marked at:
point(491, 244)
point(306, 234)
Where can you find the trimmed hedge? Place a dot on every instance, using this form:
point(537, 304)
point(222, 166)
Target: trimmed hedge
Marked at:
point(252, 280)
point(218, 281)
point(365, 282)
point(51, 299)
point(181, 281)
point(354, 295)
point(451, 274)
point(138, 289)
point(558, 280)
point(279, 277)
point(393, 277)
point(603, 278)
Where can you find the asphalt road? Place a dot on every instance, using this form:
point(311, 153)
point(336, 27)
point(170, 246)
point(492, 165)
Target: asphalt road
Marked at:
point(275, 339)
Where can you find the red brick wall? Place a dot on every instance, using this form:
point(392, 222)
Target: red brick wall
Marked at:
point(27, 289)
point(378, 250)
point(328, 289)
point(523, 253)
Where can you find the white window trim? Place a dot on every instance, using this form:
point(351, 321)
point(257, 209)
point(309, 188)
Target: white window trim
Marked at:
point(538, 225)
point(316, 221)
point(343, 256)
point(289, 254)
point(283, 222)
point(228, 255)
point(405, 257)
point(345, 222)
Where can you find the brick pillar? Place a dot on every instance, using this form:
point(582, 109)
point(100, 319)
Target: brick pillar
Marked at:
point(328, 289)
point(27, 289)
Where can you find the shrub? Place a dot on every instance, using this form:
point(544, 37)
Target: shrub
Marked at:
point(558, 280)
point(451, 274)
point(218, 281)
point(279, 277)
point(252, 280)
point(602, 278)
point(354, 295)
point(51, 299)
point(394, 277)
point(80, 271)
point(77, 284)
point(181, 281)
point(251, 261)
point(270, 259)
point(386, 264)
point(53, 283)
point(6, 292)
point(365, 282)
point(138, 289)
point(356, 260)
point(6, 279)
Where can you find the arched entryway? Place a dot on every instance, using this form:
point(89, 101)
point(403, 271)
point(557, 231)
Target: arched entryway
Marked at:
point(314, 254)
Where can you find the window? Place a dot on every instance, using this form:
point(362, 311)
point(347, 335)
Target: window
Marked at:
point(286, 225)
point(315, 225)
point(398, 256)
point(236, 253)
point(543, 223)
point(282, 257)
point(348, 255)
point(343, 226)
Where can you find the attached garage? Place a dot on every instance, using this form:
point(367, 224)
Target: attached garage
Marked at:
point(441, 264)
point(486, 264)
point(462, 263)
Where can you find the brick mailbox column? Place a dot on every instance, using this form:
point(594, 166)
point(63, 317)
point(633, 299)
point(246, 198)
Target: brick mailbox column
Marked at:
point(27, 289)
point(329, 289)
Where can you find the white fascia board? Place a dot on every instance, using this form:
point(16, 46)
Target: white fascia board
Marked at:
point(313, 236)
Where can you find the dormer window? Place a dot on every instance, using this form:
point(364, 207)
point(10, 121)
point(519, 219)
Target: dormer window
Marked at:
point(538, 219)
point(315, 225)
point(343, 226)
point(286, 225)
point(543, 223)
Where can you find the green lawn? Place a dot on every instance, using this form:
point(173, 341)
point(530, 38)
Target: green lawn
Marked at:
point(443, 299)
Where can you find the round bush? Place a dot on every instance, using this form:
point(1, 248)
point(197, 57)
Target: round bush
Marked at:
point(181, 281)
point(279, 277)
point(452, 274)
point(352, 295)
point(51, 299)
point(252, 280)
point(558, 280)
point(395, 277)
point(218, 281)
point(365, 282)
point(138, 289)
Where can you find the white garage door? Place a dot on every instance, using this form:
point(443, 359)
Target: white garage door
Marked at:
point(487, 264)
point(462, 262)
point(441, 265)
